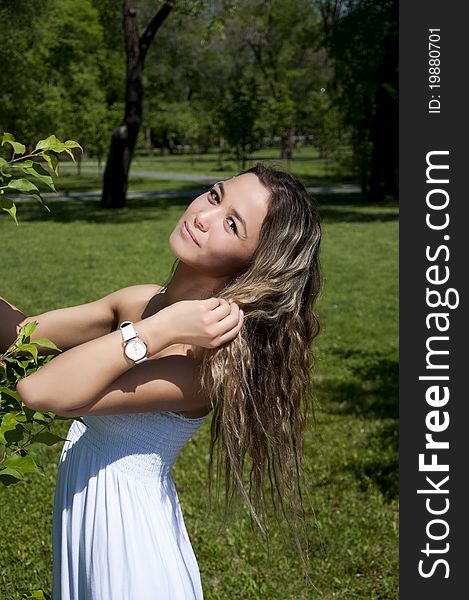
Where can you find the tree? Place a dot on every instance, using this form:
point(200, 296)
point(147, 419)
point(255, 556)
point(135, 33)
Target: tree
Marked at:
point(362, 39)
point(52, 62)
point(238, 116)
point(282, 38)
point(124, 136)
point(262, 57)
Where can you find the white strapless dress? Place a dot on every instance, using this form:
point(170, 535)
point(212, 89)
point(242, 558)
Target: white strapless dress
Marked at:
point(118, 531)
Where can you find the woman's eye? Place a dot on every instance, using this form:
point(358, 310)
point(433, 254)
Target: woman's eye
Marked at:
point(234, 228)
point(213, 195)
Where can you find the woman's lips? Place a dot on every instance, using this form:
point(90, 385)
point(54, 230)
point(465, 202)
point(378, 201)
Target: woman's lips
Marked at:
point(189, 233)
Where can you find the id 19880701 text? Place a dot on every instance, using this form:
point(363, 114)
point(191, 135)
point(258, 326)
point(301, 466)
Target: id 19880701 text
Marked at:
point(434, 71)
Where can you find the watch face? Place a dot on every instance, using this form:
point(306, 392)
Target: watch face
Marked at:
point(135, 349)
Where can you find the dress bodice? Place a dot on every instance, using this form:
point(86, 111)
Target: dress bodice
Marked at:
point(118, 529)
point(142, 444)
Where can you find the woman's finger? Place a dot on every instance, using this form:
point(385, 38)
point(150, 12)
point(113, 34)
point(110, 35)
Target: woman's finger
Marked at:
point(233, 331)
point(222, 310)
point(211, 303)
point(231, 319)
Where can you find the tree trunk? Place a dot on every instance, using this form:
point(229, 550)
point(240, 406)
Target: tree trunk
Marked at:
point(286, 146)
point(385, 154)
point(117, 169)
point(124, 137)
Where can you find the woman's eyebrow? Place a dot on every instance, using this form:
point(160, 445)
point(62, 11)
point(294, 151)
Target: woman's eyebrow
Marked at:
point(234, 211)
point(241, 220)
point(221, 186)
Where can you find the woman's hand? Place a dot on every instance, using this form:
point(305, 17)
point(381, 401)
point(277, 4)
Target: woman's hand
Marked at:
point(207, 323)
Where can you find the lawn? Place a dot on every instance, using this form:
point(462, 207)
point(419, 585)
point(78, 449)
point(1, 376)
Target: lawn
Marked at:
point(78, 252)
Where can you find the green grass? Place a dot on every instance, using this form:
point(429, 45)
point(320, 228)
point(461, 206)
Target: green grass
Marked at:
point(79, 252)
point(70, 182)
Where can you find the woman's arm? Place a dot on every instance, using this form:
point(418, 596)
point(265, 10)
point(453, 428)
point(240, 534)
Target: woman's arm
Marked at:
point(74, 325)
point(97, 378)
point(10, 318)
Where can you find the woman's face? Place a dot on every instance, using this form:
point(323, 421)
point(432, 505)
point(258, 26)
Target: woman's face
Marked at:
point(219, 231)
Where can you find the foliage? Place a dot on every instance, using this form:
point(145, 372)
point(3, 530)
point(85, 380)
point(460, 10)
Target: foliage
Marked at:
point(250, 56)
point(17, 172)
point(55, 50)
point(176, 123)
point(36, 595)
point(200, 53)
point(21, 426)
point(363, 44)
point(238, 116)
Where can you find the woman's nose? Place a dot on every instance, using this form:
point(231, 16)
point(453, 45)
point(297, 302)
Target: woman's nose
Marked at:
point(201, 221)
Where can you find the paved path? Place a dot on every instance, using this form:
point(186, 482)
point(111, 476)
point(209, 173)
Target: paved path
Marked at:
point(333, 189)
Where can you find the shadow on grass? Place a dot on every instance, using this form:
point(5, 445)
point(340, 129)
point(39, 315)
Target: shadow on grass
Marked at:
point(67, 211)
point(71, 182)
point(335, 208)
point(332, 208)
point(383, 470)
point(371, 393)
point(373, 390)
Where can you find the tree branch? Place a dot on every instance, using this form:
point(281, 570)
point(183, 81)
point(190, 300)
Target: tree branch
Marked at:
point(150, 32)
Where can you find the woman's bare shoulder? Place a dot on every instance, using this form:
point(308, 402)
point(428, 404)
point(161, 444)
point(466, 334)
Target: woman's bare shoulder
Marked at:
point(141, 290)
point(136, 302)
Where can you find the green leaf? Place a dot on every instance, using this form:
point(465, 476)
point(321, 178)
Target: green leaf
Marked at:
point(50, 144)
point(72, 144)
point(70, 153)
point(51, 160)
point(39, 198)
point(8, 206)
point(21, 417)
point(18, 148)
point(37, 595)
point(10, 476)
point(46, 437)
point(28, 329)
point(36, 170)
point(58, 147)
point(22, 464)
point(47, 143)
point(22, 163)
point(40, 417)
point(8, 392)
point(31, 348)
point(46, 343)
point(2, 161)
point(9, 423)
point(22, 185)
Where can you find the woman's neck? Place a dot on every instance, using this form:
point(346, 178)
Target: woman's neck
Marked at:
point(189, 284)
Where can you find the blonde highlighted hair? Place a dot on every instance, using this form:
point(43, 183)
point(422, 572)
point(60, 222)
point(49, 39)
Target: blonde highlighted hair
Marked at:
point(260, 384)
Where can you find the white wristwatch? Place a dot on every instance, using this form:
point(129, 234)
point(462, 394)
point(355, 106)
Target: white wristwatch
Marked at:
point(134, 347)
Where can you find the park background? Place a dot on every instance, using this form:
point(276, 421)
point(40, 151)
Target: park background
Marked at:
point(305, 85)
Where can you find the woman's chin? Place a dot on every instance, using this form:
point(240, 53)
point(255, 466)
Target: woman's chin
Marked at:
point(174, 244)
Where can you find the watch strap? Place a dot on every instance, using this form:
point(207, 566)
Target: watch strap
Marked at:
point(128, 330)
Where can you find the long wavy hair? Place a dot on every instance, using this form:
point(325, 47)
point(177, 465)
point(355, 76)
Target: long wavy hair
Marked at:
point(260, 384)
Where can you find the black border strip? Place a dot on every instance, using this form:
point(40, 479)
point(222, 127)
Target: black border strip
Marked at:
point(434, 235)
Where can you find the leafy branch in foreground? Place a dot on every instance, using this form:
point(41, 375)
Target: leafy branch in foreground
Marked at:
point(36, 595)
point(21, 426)
point(17, 174)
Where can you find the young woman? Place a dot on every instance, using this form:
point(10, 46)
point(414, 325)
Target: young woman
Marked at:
point(230, 334)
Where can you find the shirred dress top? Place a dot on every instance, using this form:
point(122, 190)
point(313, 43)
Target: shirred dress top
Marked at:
point(118, 532)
